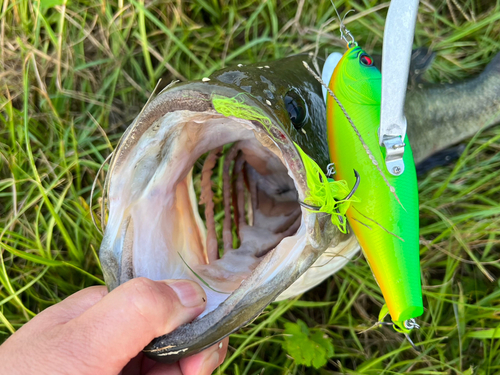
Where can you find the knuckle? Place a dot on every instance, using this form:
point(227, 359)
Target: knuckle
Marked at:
point(147, 297)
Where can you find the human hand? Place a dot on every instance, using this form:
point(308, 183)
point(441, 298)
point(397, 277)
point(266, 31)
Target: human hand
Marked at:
point(99, 333)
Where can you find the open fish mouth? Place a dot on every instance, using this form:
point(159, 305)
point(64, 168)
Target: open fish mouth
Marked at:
point(246, 254)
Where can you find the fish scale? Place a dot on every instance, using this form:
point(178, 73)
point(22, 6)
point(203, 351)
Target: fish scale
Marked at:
point(393, 258)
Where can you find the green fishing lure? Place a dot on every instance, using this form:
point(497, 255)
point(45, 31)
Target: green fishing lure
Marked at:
point(385, 220)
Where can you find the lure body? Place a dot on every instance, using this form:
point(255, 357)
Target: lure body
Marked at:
point(394, 256)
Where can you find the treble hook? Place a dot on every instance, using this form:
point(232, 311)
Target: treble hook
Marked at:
point(337, 210)
point(409, 324)
point(355, 187)
point(411, 343)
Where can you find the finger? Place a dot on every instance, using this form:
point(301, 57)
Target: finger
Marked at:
point(203, 363)
point(134, 366)
point(165, 369)
point(207, 361)
point(144, 365)
point(118, 327)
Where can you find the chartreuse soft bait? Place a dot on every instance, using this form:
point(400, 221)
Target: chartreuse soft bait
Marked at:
point(385, 219)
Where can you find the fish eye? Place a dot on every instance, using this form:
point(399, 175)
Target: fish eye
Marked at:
point(296, 109)
point(365, 60)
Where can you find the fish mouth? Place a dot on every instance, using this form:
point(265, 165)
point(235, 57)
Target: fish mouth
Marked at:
point(264, 240)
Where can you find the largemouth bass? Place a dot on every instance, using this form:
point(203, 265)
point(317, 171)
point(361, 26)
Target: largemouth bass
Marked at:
point(154, 228)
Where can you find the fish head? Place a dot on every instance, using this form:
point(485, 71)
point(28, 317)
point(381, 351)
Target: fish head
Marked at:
point(249, 122)
point(285, 89)
point(356, 78)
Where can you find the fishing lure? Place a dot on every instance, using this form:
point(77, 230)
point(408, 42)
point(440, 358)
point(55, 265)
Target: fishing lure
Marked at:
point(385, 220)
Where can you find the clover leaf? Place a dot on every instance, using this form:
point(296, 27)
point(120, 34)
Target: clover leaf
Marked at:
point(310, 347)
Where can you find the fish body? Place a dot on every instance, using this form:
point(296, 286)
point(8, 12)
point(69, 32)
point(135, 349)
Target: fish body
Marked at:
point(440, 115)
point(153, 208)
point(386, 218)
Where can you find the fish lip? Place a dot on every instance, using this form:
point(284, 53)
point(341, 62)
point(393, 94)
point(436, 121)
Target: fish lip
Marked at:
point(193, 337)
point(238, 309)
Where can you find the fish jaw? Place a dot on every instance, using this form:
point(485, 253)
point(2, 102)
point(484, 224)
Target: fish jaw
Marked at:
point(154, 229)
point(264, 285)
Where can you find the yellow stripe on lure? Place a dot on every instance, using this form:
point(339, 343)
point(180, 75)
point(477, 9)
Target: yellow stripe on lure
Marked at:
point(385, 219)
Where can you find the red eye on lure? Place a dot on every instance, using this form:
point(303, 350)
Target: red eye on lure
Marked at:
point(365, 60)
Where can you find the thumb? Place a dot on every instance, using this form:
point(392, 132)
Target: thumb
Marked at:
point(118, 327)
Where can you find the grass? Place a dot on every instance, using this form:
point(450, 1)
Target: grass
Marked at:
point(74, 74)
